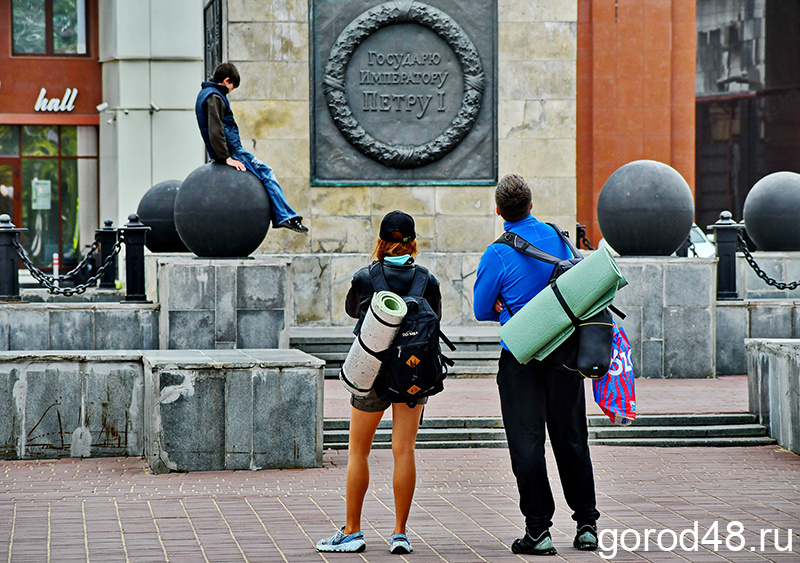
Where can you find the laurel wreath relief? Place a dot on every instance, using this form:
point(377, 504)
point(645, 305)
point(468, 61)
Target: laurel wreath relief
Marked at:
point(367, 23)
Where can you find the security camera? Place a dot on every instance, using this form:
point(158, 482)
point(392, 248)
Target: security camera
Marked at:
point(154, 107)
point(102, 107)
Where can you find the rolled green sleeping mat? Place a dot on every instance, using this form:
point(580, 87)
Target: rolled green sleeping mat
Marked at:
point(542, 324)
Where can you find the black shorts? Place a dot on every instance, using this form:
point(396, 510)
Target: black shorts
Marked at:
point(373, 403)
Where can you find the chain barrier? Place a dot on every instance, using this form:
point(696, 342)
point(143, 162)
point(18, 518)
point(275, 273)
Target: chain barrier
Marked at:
point(693, 249)
point(583, 240)
point(49, 282)
point(742, 247)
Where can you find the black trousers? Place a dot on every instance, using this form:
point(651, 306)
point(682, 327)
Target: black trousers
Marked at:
point(533, 396)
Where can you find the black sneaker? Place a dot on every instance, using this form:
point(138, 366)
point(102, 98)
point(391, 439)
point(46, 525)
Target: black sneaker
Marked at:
point(295, 224)
point(541, 545)
point(586, 538)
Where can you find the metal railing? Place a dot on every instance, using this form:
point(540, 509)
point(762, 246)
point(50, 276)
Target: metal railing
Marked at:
point(729, 239)
point(108, 241)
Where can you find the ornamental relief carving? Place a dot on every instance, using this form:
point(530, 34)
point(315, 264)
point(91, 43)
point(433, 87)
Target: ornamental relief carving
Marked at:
point(411, 82)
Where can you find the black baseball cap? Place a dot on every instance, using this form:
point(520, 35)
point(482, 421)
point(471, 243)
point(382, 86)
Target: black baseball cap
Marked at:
point(397, 227)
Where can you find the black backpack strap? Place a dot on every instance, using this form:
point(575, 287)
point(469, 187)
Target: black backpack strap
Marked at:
point(568, 241)
point(518, 243)
point(575, 320)
point(448, 342)
point(505, 304)
point(378, 277)
point(419, 283)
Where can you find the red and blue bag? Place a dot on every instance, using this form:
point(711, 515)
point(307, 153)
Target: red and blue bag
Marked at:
point(614, 393)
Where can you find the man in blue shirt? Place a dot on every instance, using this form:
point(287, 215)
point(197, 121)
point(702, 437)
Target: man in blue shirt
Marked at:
point(536, 394)
point(221, 136)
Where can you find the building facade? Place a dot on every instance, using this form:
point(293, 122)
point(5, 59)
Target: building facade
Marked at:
point(96, 106)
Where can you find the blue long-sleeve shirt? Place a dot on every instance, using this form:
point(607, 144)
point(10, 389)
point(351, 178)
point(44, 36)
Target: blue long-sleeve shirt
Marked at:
point(517, 276)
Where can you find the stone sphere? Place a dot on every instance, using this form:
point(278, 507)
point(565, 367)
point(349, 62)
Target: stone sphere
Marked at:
point(645, 208)
point(772, 212)
point(156, 210)
point(221, 212)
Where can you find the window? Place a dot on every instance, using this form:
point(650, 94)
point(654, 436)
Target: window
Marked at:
point(57, 166)
point(49, 27)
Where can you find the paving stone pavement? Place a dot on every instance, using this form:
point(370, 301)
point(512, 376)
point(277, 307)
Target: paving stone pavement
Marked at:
point(465, 507)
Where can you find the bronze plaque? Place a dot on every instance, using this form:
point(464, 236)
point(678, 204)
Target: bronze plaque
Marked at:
point(403, 92)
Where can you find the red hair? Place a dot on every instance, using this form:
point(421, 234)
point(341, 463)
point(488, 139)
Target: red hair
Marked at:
point(383, 249)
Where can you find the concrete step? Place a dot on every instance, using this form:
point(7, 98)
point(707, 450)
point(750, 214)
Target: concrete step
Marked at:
point(476, 354)
point(722, 442)
point(683, 431)
point(734, 429)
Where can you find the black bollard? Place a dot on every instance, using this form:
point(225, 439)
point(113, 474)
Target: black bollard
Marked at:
point(9, 260)
point(580, 234)
point(107, 238)
point(134, 234)
point(726, 239)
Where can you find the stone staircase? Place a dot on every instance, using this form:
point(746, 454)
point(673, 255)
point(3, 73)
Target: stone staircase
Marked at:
point(476, 355)
point(738, 429)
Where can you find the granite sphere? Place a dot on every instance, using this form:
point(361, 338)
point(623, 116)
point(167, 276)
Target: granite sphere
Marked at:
point(221, 212)
point(645, 208)
point(772, 212)
point(157, 211)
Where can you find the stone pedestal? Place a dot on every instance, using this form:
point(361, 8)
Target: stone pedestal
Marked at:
point(671, 315)
point(185, 410)
point(232, 409)
point(780, 266)
point(220, 303)
point(774, 387)
point(70, 404)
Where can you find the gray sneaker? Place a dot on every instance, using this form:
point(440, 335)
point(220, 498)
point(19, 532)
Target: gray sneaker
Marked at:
point(400, 544)
point(341, 542)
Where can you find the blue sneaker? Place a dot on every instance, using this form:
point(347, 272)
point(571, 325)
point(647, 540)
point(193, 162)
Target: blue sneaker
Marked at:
point(400, 544)
point(341, 542)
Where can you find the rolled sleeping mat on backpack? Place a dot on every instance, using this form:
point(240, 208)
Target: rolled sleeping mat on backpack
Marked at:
point(542, 324)
point(361, 366)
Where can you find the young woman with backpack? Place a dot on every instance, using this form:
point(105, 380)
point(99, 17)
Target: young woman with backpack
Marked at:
point(394, 250)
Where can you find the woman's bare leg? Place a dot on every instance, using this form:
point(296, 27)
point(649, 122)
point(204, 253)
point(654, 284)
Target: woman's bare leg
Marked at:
point(405, 423)
point(362, 430)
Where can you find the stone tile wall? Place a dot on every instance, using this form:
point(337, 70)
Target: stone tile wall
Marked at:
point(61, 405)
point(780, 266)
point(268, 40)
point(671, 321)
point(320, 283)
point(78, 326)
point(181, 410)
point(774, 388)
point(223, 303)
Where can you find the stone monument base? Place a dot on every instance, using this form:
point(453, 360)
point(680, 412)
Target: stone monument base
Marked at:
point(218, 303)
point(183, 410)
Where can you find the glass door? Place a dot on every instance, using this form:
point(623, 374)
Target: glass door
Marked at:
point(10, 196)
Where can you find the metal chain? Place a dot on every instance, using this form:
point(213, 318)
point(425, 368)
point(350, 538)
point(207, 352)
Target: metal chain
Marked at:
point(582, 239)
point(742, 247)
point(85, 260)
point(692, 248)
point(49, 281)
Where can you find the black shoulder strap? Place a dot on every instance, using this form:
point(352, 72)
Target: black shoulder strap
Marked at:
point(568, 241)
point(418, 284)
point(378, 277)
point(518, 243)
